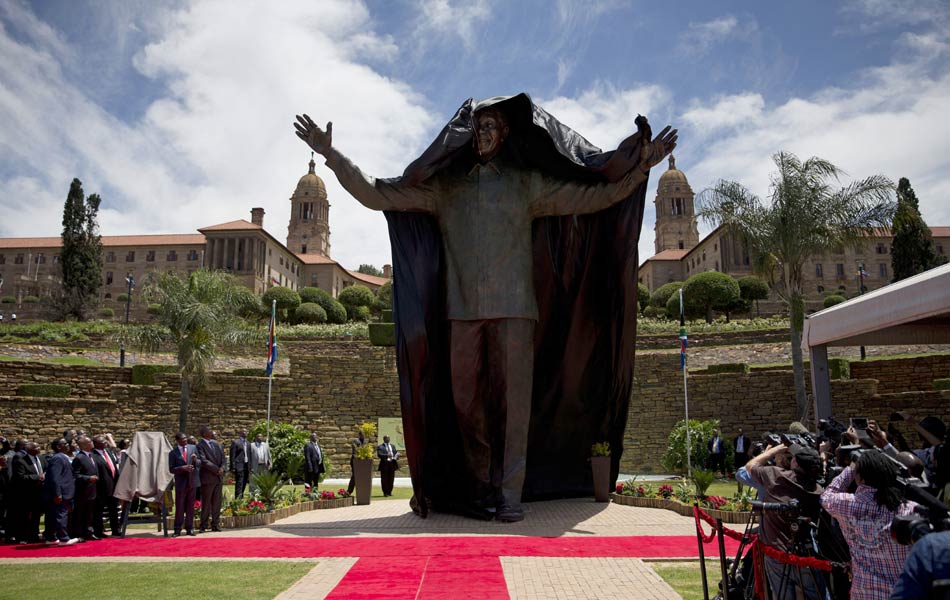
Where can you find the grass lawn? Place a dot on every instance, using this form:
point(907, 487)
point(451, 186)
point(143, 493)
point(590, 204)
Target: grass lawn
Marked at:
point(59, 360)
point(685, 578)
point(107, 581)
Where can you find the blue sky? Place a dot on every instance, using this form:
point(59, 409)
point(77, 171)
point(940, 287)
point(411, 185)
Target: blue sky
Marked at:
point(180, 113)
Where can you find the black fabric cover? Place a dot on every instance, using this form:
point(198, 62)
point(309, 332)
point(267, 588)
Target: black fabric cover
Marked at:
point(585, 281)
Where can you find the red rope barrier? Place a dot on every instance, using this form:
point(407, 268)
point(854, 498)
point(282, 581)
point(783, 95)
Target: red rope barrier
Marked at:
point(797, 561)
point(701, 514)
point(699, 528)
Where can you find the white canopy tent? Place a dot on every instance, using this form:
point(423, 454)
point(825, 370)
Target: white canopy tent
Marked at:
point(912, 311)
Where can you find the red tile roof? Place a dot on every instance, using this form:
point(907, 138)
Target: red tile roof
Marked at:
point(173, 239)
point(368, 278)
point(315, 259)
point(669, 255)
point(239, 225)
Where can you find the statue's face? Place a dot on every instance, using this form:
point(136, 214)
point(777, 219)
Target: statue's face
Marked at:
point(492, 132)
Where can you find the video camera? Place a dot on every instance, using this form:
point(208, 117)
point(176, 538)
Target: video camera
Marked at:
point(929, 515)
point(792, 506)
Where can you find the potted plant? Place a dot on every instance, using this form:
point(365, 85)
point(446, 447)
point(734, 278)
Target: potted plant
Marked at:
point(600, 467)
point(363, 463)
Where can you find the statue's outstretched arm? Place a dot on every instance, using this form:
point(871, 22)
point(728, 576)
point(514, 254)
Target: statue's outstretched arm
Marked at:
point(369, 191)
point(563, 197)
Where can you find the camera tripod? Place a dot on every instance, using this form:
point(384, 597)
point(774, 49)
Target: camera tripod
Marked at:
point(741, 584)
point(804, 545)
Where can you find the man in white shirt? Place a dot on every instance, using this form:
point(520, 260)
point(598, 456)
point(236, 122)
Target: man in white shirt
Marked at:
point(260, 455)
point(387, 454)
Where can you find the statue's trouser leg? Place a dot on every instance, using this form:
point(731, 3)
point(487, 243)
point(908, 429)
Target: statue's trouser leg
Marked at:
point(468, 393)
point(511, 361)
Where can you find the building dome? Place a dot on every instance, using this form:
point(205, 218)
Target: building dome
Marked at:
point(311, 184)
point(673, 175)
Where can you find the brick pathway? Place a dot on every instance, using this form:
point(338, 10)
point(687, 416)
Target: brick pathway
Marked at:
point(320, 581)
point(582, 578)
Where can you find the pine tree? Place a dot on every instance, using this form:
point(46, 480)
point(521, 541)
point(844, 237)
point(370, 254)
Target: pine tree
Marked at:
point(81, 256)
point(912, 250)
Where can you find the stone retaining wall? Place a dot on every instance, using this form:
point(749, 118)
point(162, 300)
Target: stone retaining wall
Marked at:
point(335, 385)
point(726, 338)
point(903, 374)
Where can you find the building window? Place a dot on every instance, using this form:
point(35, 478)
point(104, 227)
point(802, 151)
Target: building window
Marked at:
point(192, 255)
point(108, 296)
point(18, 260)
point(880, 249)
point(839, 270)
point(150, 256)
point(3, 259)
point(939, 249)
point(110, 257)
point(715, 247)
point(41, 259)
point(130, 257)
point(280, 259)
point(303, 249)
point(882, 270)
point(56, 259)
point(704, 256)
point(681, 244)
point(819, 272)
point(717, 266)
point(821, 289)
point(172, 256)
point(108, 277)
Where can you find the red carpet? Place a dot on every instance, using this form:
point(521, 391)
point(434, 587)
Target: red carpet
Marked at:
point(282, 547)
point(395, 568)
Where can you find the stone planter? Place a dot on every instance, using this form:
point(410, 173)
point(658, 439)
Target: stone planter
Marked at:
point(268, 518)
point(679, 508)
point(363, 473)
point(600, 468)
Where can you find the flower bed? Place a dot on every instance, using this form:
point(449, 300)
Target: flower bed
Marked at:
point(257, 517)
point(679, 508)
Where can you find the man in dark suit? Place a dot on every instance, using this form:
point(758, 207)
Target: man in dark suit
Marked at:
point(87, 478)
point(213, 466)
point(359, 441)
point(59, 488)
point(717, 453)
point(741, 445)
point(27, 490)
point(313, 462)
point(387, 454)
point(106, 503)
point(240, 462)
point(183, 463)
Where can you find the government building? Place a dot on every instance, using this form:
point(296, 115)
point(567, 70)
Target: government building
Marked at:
point(29, 267)
point(680, 253)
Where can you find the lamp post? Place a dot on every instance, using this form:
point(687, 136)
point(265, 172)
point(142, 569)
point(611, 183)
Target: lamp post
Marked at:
point(128, 303)
point(861, 274)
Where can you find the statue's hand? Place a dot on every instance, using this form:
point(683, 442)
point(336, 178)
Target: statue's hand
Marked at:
point(316, 138)
point(655, 151)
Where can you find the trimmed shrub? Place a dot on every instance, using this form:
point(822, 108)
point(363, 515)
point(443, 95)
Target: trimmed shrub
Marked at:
point(336, 312)
point(839, 368)
point(44, 390)
point(286, 446)
point(386, 316)
point(123, 297)
point(384, 297)
point(154, 309)
point(249, 372)
point(310, 312)
point(729, 368)
point(145, 374)
point(753, 288)
point(7, 300)
point(314, 295)
point(653, 312)
point(643, 296)
point(691, 308)
point(106, 313)
point(287, 301)
point(942, 384)
point(661, 295)
point(357, 313)
point(699, 433)
point(832, 300)
point(31, 300)
point(711, 290)
point(382, 334)
point(356, 295)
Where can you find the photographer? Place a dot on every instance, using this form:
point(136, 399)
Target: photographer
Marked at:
point(778, 528)
point(927, 570)
point(865, 520)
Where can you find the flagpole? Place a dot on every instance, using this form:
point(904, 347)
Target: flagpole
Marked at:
point(683, 341)
point(270, 375)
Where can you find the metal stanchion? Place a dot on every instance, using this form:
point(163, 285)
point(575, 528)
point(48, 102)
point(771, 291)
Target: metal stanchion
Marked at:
point(702, 558)
point(724, 582)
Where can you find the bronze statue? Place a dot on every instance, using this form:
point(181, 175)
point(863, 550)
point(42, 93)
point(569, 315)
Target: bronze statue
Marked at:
point(485, 197)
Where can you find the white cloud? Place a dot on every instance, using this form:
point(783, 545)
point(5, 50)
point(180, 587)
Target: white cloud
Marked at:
point(445, 19)
point(699, 38)
point(727, 112)
point(221, 140)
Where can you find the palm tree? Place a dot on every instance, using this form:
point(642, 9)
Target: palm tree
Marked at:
point(806, 215)
point(198, 315)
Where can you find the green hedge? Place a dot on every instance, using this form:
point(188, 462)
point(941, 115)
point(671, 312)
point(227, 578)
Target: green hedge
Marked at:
point(106, 313)
point(382, 334)
point(729, 368)
point(386, 316)
point(154, 309)
point(249, 372)
point(123, 297)
point(7, 300)
point(44, 390)
point(31, 300)
point(839, 368)
point(942, 384)
point(145, 374)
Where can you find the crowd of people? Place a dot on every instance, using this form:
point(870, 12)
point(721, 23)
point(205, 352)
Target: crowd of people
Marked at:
point(861, 496)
